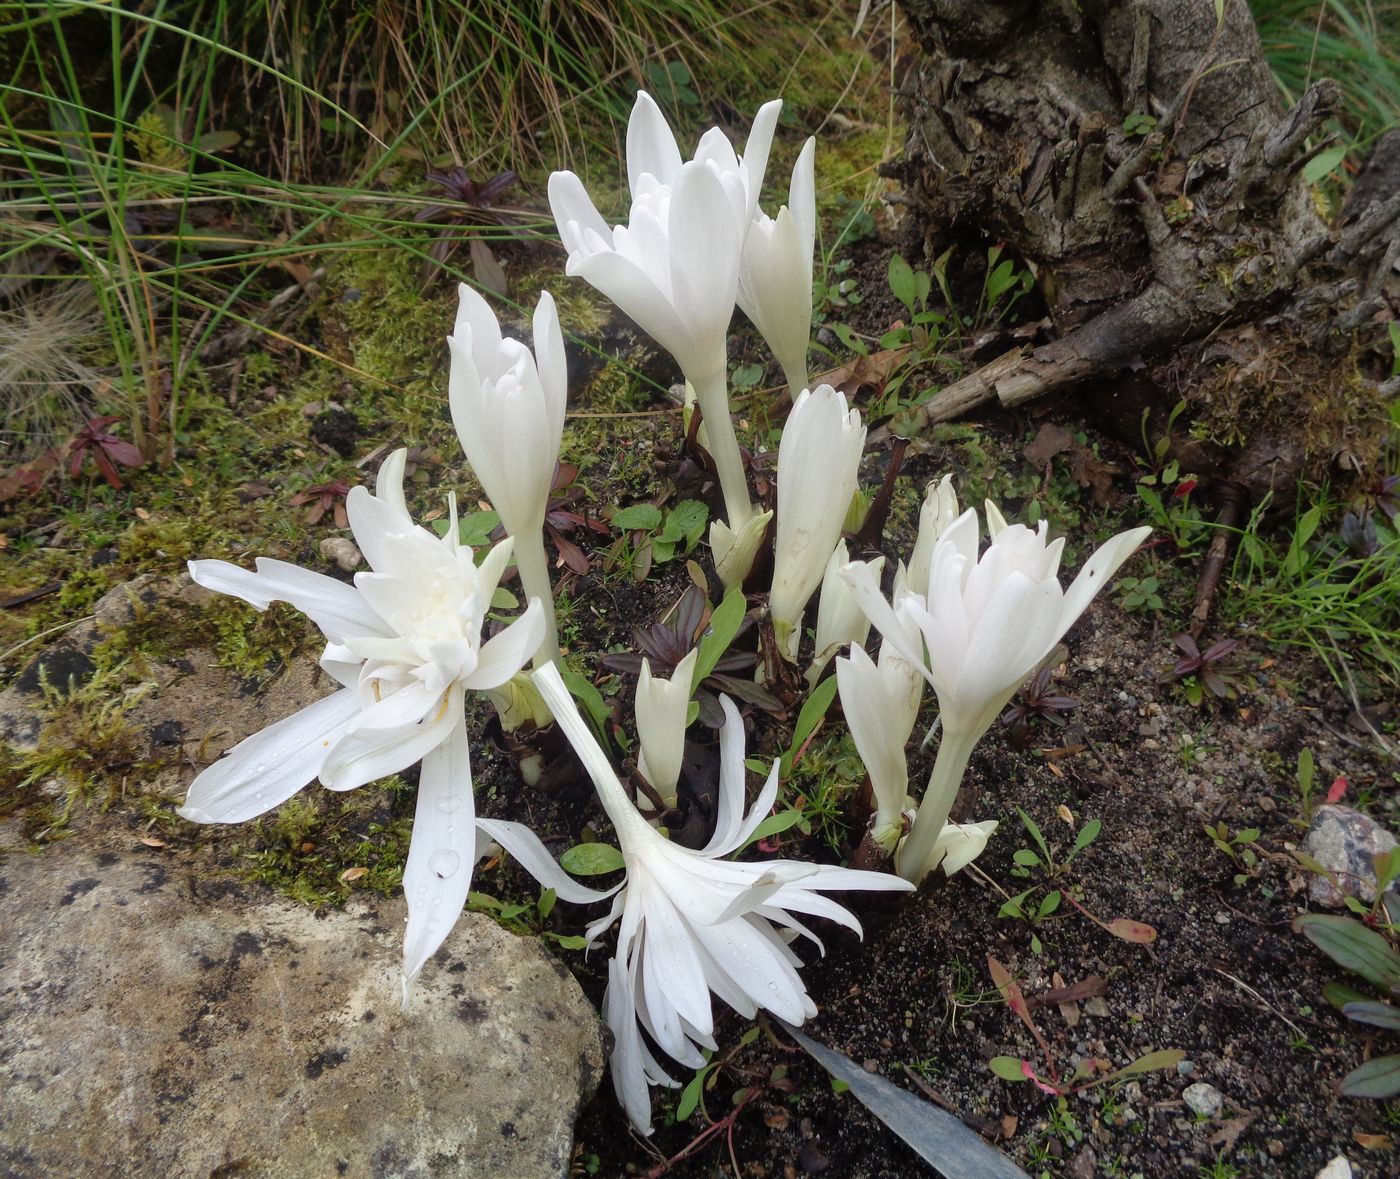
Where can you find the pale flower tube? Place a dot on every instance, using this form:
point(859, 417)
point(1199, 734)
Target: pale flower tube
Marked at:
point(405, 643)
point(775, 276)
point(818, 464)
point(986, 624)
point(674, 267)
point(693, 922)
point(661, 710)
point(508, 409)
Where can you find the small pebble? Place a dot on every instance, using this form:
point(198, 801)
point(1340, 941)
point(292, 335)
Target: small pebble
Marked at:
point(1203, 1100)
point(343, 552)
point(1338, 1168)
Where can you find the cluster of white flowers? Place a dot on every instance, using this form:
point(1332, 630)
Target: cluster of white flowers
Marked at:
point(407, 641)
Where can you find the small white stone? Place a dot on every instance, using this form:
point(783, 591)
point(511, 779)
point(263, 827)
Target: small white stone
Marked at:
point(1338, 1168)
point(343, 552)
point(1203, 1100)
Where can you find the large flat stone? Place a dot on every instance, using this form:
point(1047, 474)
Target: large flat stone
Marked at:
point(152, 1024)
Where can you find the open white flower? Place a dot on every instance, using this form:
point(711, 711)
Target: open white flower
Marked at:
point(508, 408)
point(693, 922)
point(674, 267)
point(775, 277)
point(661, 709)
point(986, 624)
point(818, 462)
point(405, 643)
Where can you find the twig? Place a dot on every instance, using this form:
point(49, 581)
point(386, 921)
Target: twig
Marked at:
point(1232, 503)
point(1244, 986)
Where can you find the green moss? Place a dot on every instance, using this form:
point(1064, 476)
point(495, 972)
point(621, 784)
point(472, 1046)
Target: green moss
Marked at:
point(320, 847)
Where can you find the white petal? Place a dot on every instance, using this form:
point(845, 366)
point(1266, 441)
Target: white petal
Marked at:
point(638, 297)
point(704, 259)
point(336, 608)
point(757, 147)
point(477, 326)
point(960, 844)
point(1097, 570)
point(552, 366)
point(730, 804)
point(506, 653)
point(651, 147)
point(630, 1058)
point(570, 203)
point(442, 852)
point(388, 484)
point(660, 708)
point(895, 632)
point(531, 854)
point(874, 722)
point(266, 769)
point(356, 759)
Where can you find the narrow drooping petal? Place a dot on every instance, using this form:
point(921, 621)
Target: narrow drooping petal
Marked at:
point(532, 855)
point(506, 653)
point(438, 872)
point(335, 608)
point(266, 769)
point(692, 924)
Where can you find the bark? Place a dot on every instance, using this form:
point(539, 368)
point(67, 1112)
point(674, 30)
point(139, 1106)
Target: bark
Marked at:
point(1137, 156)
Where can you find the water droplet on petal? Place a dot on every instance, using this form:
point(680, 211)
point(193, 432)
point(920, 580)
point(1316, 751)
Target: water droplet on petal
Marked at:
point(444, 863)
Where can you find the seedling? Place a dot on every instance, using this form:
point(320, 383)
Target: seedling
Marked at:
point(1236, 845)
point(1138, 595)
point(106, 450)
point(656, 536)
point(1200, 671)
point(1035, 703)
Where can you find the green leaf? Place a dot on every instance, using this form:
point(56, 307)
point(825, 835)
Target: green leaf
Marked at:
point(1339, 995)
point(774, 824)
point(813, 709)
point(1305, 771)
point(1324, 163)
point(474, 529)
point(638, 516)
point(1008, 1068)
point(902, 282)
point(1353, 947)
point(724, 625)
point(1050, 903)
point(689, 518)
point(591, 859)
point(545, 905)
point(586, 693)
point(1151, 1062)
point(503, 599)
point(1026, 858)
point(1378, 1078)
point(1381, 1015)
point(1087, 834)
point(690, 1096)
point(1035, 834)
point(569, 941)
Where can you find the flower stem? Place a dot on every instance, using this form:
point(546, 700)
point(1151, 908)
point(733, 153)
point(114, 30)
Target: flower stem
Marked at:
point(948, 769)
point(795, 374)
point(712, 392)
point(533, 565)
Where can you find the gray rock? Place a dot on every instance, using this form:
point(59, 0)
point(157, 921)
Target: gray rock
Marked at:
point(1338, 1168)
point(157, 1024)
point(1203, 1100)
point(1345, 842)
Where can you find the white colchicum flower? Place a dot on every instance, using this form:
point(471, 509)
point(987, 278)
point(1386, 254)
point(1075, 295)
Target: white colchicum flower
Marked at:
point(986, 624)
point(818, 462)
point(508, 408)
point(693, 922)
point(775, 277)
point(661, 709)
point(840, 620)
point(674, 267)
point(405, 644)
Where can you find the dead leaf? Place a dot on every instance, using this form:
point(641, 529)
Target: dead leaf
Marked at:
point(1068, 1007)
point(1085, 988)
point(1373, 1141)
point(1224, 1138)
point(873, 372)
point(152, 841)
point(1048, 442)
point(1066, 815)
point(489, 273)
point(1131, 931)
point(350, 875)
